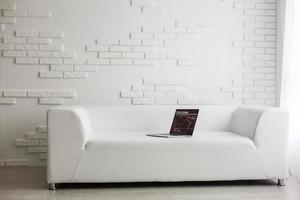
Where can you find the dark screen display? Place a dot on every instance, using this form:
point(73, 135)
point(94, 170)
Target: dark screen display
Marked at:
point(184, 121)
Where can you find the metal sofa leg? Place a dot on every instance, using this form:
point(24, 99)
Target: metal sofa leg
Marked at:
point(281, 182)
point(51, 186)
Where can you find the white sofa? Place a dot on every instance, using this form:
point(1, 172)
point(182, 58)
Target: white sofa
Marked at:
point(109, 144)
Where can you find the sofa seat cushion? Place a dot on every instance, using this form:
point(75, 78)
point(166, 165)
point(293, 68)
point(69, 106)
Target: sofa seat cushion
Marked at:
point(141, 137)
point(134, 157)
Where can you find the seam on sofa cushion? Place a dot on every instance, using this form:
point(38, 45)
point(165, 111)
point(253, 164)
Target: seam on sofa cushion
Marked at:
point(261, 163)
point(77, 165)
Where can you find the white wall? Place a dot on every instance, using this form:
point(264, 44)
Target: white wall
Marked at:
point(202, 52)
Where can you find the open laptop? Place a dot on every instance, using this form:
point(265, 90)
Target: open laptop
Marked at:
point(183, 124)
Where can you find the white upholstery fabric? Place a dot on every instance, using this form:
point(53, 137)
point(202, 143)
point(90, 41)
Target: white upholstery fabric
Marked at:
point(135, 157)
point(69, 130)
point(109, 144)
point(245, 119)
point(151, 118)
point(271, 139)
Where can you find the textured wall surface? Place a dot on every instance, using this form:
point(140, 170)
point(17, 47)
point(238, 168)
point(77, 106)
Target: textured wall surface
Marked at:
point(135, 52)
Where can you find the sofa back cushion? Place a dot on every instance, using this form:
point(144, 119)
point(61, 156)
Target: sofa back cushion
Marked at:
point(244, 120)
point(156, 118)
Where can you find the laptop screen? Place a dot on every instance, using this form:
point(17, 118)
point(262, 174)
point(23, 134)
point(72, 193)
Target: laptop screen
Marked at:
point(184, 122)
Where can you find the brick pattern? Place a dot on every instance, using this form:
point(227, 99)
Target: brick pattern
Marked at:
point(147, 6)
point(9, 13)
point(144, 48)
point(257, 85)
point(151, 45)
point(6, 6)
point(162, 92)
point(35, 142)
point(14, 162)
point(45, 97)
point(36, 48)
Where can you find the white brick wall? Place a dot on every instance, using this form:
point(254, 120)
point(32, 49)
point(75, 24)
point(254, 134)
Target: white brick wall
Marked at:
point(51, 34)
point(146, 6)
point(46, 97)
point(61, 68)
point(39, 149)
point(74, 61)
point(42, 129)
point(14, 93)
point(165, 88)
point(96, 61)
point(14, 13)
point(27, 61)
point(33, 47)
point(47, 74)
point(7, 101)
point(51, 47)
point(188, 101)
point(51, 101)
point(176, 82)
point(15, 40)
point(165, 101)
point(43, 156)
point(121, 48)
point(63, 54)
point(39, 13)
point(96, 48)
point(110, 55)
point(16, 162)
point(177, 94)
point(120, 61)
point(142, 88)
point(162, 92)
point(38, 54)
point(142, 2)
point(35, 142)
point(86, 68)
point(72, 75)
point(131, 94)
point(258, 47)
point(37, 40)
point(154, 81)
point(26, 143)
point(7, 5)
point(36, 136)
point(14, 54)
point(154, 94)
point(141, 62)
point(7, 20)
point(149, 45)
point(143, 101)
point(39, 93)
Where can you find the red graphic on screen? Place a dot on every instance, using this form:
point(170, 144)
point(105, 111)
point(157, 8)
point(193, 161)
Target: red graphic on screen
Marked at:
point(184, 122)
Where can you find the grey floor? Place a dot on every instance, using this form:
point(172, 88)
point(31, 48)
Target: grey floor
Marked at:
point(24, 183)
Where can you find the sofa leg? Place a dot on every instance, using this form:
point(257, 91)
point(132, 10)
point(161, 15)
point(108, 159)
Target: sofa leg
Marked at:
point(281, 182)
point(51, 186)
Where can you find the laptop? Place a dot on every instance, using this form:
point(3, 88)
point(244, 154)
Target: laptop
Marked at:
point(183, 124)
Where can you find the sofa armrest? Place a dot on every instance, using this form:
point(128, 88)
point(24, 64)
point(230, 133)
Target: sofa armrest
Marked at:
point(245, 119)
point(271, 139)
point(69, 131)
point(268, 129)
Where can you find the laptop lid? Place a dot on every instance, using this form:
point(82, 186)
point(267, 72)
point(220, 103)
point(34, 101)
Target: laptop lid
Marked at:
point(184, 122)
